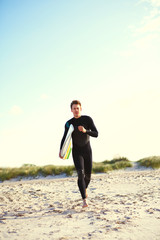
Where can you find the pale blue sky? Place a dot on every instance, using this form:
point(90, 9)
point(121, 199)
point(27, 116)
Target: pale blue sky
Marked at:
point(104, 53)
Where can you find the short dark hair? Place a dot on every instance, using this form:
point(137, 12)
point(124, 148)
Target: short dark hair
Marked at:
point(75, 102)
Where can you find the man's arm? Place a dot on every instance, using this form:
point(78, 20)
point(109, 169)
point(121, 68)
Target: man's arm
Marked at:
point(93, 130)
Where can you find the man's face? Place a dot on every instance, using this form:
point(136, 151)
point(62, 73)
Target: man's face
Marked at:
point(76, 110)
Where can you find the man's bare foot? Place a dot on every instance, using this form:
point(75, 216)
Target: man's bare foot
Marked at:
point(85, 203)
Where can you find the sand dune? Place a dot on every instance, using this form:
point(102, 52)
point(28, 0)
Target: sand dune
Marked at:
point(122, 205)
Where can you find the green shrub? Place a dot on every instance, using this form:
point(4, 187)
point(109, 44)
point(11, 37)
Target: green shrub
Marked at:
point(101, 168)
point(153, 162)
point(115, 164)
point(69, 170)
point(120, 159)
point(121, 165)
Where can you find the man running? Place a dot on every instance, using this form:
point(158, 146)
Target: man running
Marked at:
point(82, 153)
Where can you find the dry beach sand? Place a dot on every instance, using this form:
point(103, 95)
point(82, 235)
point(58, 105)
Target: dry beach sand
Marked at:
point(122, 205)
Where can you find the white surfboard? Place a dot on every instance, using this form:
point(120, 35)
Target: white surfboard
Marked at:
point(67, 145)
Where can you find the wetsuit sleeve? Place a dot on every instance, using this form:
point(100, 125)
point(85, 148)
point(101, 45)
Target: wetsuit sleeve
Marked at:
point(93, 130)
point(64, 135)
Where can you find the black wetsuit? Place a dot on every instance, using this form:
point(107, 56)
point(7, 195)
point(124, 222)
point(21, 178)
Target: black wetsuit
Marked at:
point(82, 152)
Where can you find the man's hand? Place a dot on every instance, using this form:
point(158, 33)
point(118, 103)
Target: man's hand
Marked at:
point(81, 129)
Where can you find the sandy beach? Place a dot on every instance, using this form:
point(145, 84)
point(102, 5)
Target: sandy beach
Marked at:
point(122, 205)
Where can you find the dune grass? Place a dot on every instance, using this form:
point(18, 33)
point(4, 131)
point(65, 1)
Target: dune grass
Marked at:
point(29, 170)
point(33, 171)
point(115, 164)
point(152, 162)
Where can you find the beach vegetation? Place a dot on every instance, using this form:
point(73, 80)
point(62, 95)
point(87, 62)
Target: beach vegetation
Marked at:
point(152, 162)
point(109, 165)
point(33, 171)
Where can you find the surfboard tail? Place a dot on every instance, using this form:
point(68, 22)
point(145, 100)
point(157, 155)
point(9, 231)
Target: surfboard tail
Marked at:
point(67, 147)
point(68, 151)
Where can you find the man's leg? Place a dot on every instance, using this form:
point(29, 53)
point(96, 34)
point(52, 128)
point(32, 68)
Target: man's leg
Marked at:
point(88, 165)
point(79, 165)
point(81, 183)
